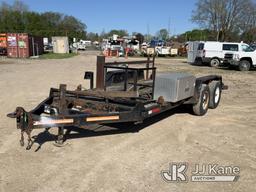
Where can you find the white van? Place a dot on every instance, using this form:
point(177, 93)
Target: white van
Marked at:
point(213, 52)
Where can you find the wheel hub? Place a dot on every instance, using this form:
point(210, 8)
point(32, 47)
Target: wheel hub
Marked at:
point(217, 95)
point(205, 101)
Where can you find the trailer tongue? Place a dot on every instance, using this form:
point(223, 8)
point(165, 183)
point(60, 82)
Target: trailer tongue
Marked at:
point(122, 94)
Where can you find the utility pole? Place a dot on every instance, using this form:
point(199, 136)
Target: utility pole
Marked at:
point(169, 24)
point(148, 32)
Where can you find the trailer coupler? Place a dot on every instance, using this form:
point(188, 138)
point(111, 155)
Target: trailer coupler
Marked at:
point(24, 123)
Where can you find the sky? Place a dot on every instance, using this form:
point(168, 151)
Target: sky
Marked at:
point(132, 15)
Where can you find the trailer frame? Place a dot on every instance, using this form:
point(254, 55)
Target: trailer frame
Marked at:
point(102, 105)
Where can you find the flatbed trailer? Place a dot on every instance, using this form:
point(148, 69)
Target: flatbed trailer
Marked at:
point(131, 99)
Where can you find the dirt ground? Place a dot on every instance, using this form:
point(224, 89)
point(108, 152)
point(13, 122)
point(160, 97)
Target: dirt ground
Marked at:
point(120, 160)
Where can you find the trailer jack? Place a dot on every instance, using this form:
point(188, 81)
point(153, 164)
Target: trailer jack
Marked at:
point(24, 123)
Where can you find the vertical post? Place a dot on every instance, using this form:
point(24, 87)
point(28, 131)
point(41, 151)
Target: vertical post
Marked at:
point(147, 66)
point(37, 49)
point(100, 72)
point(33, 46)
point(153, 78)
point(91, 81)
point(125, 79)
point(105, 80)
point(17, 45)
point(153, 65)
point(62, 101)
point(135, 80)
point(126, 53)
point(62, 107)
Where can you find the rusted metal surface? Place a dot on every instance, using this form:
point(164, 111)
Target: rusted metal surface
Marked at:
point(95, 105)
point(109, 94)
point(22, 45)
point(62, 110)
point(3, 40)
point(131, 62)
point(100, 72)
point(101, 63)
point(17, 45)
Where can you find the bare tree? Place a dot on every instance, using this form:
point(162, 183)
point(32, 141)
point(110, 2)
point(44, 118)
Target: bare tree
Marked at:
point(224, 16)
point(248, 18)
point(19, 6)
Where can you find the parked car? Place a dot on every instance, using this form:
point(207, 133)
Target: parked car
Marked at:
point(79, 46)
point(118, 48)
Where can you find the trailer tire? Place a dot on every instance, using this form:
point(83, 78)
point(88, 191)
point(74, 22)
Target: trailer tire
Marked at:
point(201, 107)
point(215, 94)
point(244, 65)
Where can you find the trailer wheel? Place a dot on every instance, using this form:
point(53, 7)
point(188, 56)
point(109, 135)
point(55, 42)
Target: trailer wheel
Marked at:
point(215, 94)
point(215, 62)
point(201, 107)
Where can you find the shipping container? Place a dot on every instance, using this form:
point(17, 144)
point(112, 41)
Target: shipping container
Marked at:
point(36, 45)
point(3, 44)
point(12, 47)
point(22, 45)
point(60, 44)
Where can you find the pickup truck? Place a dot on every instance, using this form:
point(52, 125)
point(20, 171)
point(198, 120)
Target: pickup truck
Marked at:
point(244, 59)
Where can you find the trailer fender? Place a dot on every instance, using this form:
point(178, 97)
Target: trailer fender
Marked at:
point(208, 79)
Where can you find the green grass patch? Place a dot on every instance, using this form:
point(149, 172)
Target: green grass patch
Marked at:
point(57, 55)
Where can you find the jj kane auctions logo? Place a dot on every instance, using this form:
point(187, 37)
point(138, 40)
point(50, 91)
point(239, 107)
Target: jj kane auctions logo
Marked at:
point(177, 172)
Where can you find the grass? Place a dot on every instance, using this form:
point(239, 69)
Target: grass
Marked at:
point(57, 55)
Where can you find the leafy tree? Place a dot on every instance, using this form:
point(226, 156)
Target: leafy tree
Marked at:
point(19, 6)
point(140, 37)
point(17, 18)
point(196, 35)
point(93, 36)
point(249, 36)
point(148, 37)
point(120, 32)
point(162, 34)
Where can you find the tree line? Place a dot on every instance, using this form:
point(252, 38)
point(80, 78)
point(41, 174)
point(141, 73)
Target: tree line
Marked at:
point(17, 18)
point(219, 20)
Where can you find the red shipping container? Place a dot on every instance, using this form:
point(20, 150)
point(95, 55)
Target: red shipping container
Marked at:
point(12, 47)
point(21, 45)
point(3, 42)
